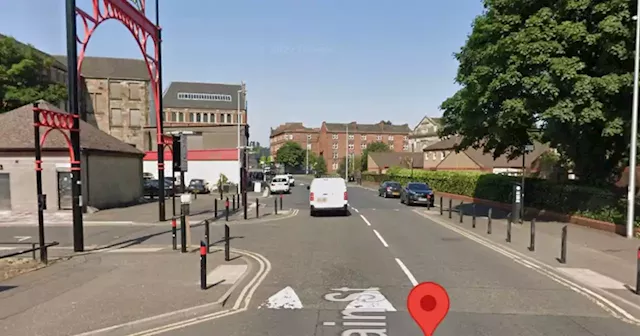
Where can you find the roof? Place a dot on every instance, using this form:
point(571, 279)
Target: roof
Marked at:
point(395, 159)
point(486, 160)
point(109, 67)
point(380, 128)
point(227, 154)
point(56, 63)
point(170, 98)
point(415, 133)
point(19, 123)
point(291, 127)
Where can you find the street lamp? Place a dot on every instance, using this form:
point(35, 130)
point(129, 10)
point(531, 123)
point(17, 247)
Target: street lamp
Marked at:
point(631, 196)
point(307, 158)
point(241, 92)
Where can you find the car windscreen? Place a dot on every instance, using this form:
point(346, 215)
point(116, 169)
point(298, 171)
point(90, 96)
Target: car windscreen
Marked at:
point(393, 184)
point(279, 180)
point(418, 186)
point(196, 182)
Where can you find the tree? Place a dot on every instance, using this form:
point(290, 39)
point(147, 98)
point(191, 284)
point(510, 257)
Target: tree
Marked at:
point(290, 155)
point(320, 166)
point(24, 76)
point(373, 147)
point(354, 165)
point(564, 65)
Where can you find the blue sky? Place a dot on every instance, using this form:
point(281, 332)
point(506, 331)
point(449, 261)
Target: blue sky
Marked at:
point(303, 60)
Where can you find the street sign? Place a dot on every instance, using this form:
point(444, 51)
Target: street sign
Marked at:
point(529, 148)
point(183, 152)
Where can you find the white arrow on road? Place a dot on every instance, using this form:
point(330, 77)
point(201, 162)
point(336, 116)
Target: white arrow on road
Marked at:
point(21, 238)
point(371, 299)
point(284, 299)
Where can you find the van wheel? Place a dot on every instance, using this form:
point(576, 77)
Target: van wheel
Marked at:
point(312, 213)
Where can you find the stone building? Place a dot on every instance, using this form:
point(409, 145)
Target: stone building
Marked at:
point(296, 132)
point(424, 134)
point(116, 96)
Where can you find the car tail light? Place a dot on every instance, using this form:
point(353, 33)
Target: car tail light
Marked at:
point(311, 196)
point(345, 196)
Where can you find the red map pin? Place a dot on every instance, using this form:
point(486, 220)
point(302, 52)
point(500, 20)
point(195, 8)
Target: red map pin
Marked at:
point(428, 304)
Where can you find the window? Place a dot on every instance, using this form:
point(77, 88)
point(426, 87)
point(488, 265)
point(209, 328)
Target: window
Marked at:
point(351, 146)
point(363, 137)
point(390, 138)
point(205, 117)
point(335, 146)
point(335, 155)
point(405, 147)
point(174, 116)
point(441, 156)
point(379, 137)
point(116, 117)
point(391, 146)
point(212, 117)
point(135, 118)
point(192, 117)
point(363, 146)
point(334, 166)
point(181, 117)
point(426, 156)
point(405, 138)
point(433, 155)
point(228, 118)
point(334, 136)
point(308, 137)
point(198, 117)
point(351, 136)
point(204, 96)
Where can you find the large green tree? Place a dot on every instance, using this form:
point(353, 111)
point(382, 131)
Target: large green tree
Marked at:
point(563, 65)
point(24, 76)
point(291, 155)
point(373, 147)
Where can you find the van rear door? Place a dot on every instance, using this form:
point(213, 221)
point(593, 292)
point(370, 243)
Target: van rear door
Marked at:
point(329, 193)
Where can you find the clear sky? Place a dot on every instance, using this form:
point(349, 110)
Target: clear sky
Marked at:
point(303, 60)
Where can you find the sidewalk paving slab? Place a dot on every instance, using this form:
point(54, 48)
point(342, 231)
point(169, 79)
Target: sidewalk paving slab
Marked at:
point(96, 291)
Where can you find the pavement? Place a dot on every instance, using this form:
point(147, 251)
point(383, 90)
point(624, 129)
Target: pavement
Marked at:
point(350, 275)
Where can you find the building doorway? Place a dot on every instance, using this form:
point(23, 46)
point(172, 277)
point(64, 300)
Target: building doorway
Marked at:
point(5, 191)
point(65, 198)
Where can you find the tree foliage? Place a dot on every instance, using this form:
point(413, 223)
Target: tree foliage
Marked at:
point(24, 76)
point(373, 147)
point(565, 65)
point(291, 155)
point(320, 165)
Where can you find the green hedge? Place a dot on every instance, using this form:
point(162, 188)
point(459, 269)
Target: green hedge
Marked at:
point(590, 202)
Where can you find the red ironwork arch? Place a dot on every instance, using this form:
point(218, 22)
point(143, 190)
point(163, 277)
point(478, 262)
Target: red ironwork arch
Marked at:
point(58, 121)
point(66, 138)
point(139, 26)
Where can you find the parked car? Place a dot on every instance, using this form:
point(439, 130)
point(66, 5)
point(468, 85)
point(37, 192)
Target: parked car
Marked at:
point(292, 181)
point(389, 189)
point(147, 176)
point(417, 193)
point(151, 188)
point(280, 185)
point(198, 186)
point(328, 194)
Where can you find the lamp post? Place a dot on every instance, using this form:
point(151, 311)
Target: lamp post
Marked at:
point(631, 196)
point(346, 157)
point(241, 92)
point(307, 158)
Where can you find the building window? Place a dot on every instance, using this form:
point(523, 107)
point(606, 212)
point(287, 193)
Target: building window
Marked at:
point(426, 156)
point(334, 166)
point(205, 117)
point(441, 156)
point(379, 137)
point(212, 117)
point(174, 116)
point(135, 118)
point(228, 121)
point(335, 155)
point(405, 147)
point(308, 137)
point(433, 155)
point(180, 116)
point(390, 138)
point(405, 138)
point(192, 117)
point(116, 117)
point(363, 137)
point(363, 146)
point(391, 146)
point(204, 96)
point(198, 117)
point(335, 146)
point(351, 136)
point(334, 136)
point(351, 146)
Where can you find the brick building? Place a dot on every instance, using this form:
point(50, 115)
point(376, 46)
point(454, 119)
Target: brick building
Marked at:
point(116, 96)
point(305, 136)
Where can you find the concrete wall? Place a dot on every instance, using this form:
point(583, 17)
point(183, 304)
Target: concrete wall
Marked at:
point(113, 180)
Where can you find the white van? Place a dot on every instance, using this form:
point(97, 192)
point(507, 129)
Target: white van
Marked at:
point(328, 194)
point(280, 184)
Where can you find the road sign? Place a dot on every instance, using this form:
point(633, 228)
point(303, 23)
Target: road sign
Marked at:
point(183, 152)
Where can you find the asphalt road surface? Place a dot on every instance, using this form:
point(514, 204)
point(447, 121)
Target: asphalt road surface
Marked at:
point(351, 275)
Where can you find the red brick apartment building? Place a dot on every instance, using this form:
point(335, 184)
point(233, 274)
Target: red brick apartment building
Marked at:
point(333, 140)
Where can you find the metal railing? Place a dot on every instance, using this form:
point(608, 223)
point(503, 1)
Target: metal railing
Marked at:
point(33, 250)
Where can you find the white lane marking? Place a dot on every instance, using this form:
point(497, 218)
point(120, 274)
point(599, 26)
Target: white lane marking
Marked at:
point(21, 238)
point(246, 293)
point(6, 248)
point(365, 220)
point(226, 274)
point(380, 237)
point(284, 299)
point(544, 269)
point(135, 250)
point(371, 300)
point(592, 278)
point(354, 209)
point(328, 323)
point(407, 272)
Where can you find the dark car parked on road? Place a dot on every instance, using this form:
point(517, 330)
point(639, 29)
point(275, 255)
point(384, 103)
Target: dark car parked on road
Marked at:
point(198, 186)
point(417, 193)
point(152, 189)
point(389, 189)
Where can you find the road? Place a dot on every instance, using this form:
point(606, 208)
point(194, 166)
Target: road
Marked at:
point(323, 266)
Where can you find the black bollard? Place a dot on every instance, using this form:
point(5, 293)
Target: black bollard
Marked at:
point(183, 229)
point(244, 204)
point(257, 208)
point(509, 230)
point(489, 221)
point(226, 243)
point(532, 240)
point(206, 233)
point(215, 208)
point(275, 205)
point(473, 214)
point(226, 209)
point(563, 246)
point(460, 211)
point(203, 265)
point(233, 202)
point(174, 229)
point(440, 205)
point(638, 273)
point(281, 197)
point(450, 206)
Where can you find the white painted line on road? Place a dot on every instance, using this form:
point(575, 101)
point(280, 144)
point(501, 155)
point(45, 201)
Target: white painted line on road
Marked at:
point(284, 299)
point(380, 237)
point(592, 278)
point(21, 238)
point(407, 272)
point(226, 274)
point(354, 209)
point(6, 248)
point(365, 220)
point(371, 300)
point(548, 271)
point(135, 250)
point(328, 323)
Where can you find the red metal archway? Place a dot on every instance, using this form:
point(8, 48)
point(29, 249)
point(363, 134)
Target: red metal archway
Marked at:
point(143, 30)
